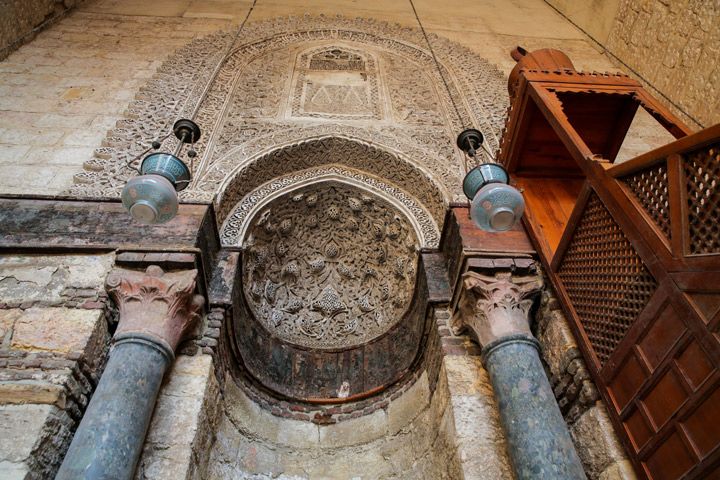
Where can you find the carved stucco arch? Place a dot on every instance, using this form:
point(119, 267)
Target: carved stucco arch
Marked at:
point(234, 229)
point(477, 89)
point(311, 151)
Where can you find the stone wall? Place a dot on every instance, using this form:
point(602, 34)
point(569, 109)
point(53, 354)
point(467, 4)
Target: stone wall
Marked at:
point(60, 93)
point(672, 46)
point(675, 46)
point(20, 20)
point(440, 423)
point(54, 331)
point(585, 413)
point(596, 17)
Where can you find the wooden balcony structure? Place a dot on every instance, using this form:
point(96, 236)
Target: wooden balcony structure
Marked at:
point(632, 250)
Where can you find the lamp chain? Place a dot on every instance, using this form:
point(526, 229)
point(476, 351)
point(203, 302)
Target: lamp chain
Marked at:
point(222, 61)
point(437, 66)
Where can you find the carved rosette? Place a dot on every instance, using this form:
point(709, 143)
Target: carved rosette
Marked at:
point(494, 307)
point(329, 266)
point(157, 304)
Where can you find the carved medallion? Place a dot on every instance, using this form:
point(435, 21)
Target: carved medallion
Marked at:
point(329, 266)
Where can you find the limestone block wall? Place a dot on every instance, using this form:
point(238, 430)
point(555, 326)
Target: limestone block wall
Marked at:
point(184, 422)
point(54, 331)
point(62, 92)
point(673, 46)
point(412, 438)
point(443, 422)
point(21, 19)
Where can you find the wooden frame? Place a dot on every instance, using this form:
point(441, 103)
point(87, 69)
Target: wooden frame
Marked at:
point(663, 392)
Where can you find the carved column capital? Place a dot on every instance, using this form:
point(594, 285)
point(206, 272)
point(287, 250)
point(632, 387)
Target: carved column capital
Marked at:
point(495, 307)
point(155, 304)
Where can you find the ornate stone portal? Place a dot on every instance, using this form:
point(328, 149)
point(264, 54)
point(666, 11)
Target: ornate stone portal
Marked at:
point(356, 99)
point(283, 81)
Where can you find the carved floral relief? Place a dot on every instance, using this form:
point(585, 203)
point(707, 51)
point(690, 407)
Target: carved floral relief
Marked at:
point(329, 265)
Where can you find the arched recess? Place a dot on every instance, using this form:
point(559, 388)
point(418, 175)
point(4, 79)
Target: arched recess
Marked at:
point(234, 229)
point(310, 153)
point(332, 307)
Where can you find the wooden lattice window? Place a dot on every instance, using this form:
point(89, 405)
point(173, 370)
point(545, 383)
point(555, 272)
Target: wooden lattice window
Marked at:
point(702, 174)
point(650, 188)
point(607, 282)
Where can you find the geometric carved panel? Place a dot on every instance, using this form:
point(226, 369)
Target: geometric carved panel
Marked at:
point(607, 282)
point(336, 82)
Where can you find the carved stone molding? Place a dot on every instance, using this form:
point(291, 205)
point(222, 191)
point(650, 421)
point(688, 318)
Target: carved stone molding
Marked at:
point(495, 307)
point(311, 147)
point(154, 303)
point(233, 230)
point(329, 266)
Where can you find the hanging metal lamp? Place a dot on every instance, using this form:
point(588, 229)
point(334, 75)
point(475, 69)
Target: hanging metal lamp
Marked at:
point(495, 206)
point(151, 197)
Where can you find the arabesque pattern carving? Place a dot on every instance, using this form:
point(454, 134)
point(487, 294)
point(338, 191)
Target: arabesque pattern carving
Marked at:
point(329, 266)
point(412, 96)
point(318, 152)
point(255, 76)
point(232, 231)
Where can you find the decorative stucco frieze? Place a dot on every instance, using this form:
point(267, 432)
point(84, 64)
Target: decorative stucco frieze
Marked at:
point(247, 111)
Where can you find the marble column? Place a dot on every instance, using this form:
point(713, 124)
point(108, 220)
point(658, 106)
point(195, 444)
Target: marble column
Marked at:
point(156, 310)
point(495, 311)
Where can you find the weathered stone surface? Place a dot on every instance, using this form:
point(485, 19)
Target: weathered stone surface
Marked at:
point(21, 17)
point(355, 431)
point(557, 342)
point(619, 471)
point(183, 422)
point(409, 405)
point(50, 280)
point(32, 440)
point(479, 436)
point(21, 427)
point(675, 48)
point(29, 391)
point(61, 330)
point(423, 448)
point(597, 444)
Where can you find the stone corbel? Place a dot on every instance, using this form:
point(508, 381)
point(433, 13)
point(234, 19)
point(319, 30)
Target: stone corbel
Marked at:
point(155, 304)
point(495, 307)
